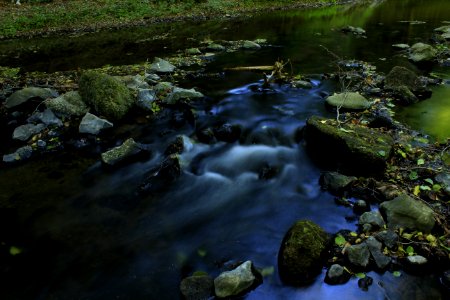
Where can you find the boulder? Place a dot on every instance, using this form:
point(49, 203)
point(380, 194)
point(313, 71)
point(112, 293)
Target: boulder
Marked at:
point(160, 65)
point(47, 117)
point(69, 104)
point(405, 212)
point(145, 99)
point(105, 94)
point(401, 76)
point(372, 218)
point(249, 45)
point(235, 282)
point(93, 124)
point(301, 254)
point(358, 255)
point(118, 154)
point(335, 183)
point(336, 274)
point(353, 148)
point(178, 94)
point(404, 95)
point(421, 52)
point(348, 101)
point(20, 154)
point(197, 287)
point(381, 260)
point(24, 132)
point(28, 93)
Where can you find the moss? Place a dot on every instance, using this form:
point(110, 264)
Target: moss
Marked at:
point(105, 94)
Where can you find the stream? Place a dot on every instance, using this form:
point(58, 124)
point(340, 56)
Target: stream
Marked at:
point(85, 234)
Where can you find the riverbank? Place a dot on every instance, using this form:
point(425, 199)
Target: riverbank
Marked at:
point(58, 17)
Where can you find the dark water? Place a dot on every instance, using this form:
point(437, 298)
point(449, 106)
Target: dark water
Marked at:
point(83, 232)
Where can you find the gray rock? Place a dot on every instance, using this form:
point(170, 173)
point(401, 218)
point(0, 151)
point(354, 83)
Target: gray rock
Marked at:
point(443, 29)
point(93, 124)
point(69, 104)
point(421, 52)
point(249, 45)
point(161, 66)
point(162, 89)
point(354, 30)
point(336, 274)
point(358, 255)
point(381, 260)
point(20, 154)
point(215, 47)
point(401, 46)
point(28, 93)
point(335, 183)
point(388, 237)
point(145, 99)
point(405, 212)
point(372, 218)
point(41, 144)
point(446, 35)
point(302, 84)
point(178, 94)
point(417, 260)
point(348, 101)
point(24, 132)
point(193, 51)
point(197, 287)
point(152, 78)
point(47, 117)
point(127, 149)
point(235, 282)
point(134, 82)
point(444, 179)
point(361, 206)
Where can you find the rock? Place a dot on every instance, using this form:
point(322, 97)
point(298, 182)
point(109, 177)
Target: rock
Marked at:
point(162, 176)
point(405, 212)
point(445, 279)
point(145, 99)
point(358, 255)
point(401, 46)
point(361, 206)
point(228, 133)
point(249, 45)
point(446, 36)
point(336, 275)
point(373, 218)
point(348, 101)
point(93, 124)
point(388, 237)
point(335, 183)
point(105, 94)
point(197, 287)
point(161, 66)
point(152, 78)
point(206, 136)
point(193, 51)
point(401, 76)
point(365, 282)
point(353, 148)
point(381, 118)
point(28, 93)
point(381, 260)
point(47, 117)
point(421, 52)
point(417, 260)
point(20, 154)
point(404, 95)
point(215, 47)
point(302, 84)
point(24, 132)
point(301, 254)
point(443, 29)
point(118, 154)
point(235, 282)
point(178, 94)
point(444, 179)
point(134, 82)
point(354, 30)
point(69, 104)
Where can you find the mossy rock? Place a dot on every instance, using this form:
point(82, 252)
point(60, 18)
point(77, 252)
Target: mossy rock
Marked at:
point(105, 94)
point(301, 254)
point(401, 76)
point(353, 148)
point(348, 101)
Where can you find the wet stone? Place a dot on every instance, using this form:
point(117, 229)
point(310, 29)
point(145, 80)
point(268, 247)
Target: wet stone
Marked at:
point(336, 275)
point(365, 282)
point(24, 132)
point(358, 255)
point(197, 287)
point(161, 66)
point(20, 154)
point(372, 218)
point(93, 124)
point(388, 237)
point(235, 282)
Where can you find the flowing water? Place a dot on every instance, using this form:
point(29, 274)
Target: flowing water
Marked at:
point(83, 232)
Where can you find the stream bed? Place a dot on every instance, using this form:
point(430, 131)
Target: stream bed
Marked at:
point(83, 231)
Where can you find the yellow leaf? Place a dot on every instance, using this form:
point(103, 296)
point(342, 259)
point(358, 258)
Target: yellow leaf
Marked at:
point(416, 190)
point(14, 250)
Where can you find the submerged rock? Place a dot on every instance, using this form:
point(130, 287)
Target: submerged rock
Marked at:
point(69, 104)
point(106, 94)
point(355, 148)
point(24, 132)
point(28, 93)
point(228, 133)
point(421, 52)
point(336, 274)
point(336, 183)
point(405, 212)
point(162, 176)
point(118, 154)
point(93, 124)
point(20, 154)
point(197, 287)
point(160, 65)
point(348, 101)
point(300, 258)
point(235, 282)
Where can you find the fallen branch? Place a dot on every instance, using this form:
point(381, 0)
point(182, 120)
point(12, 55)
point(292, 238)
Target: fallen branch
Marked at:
point(251, 68)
